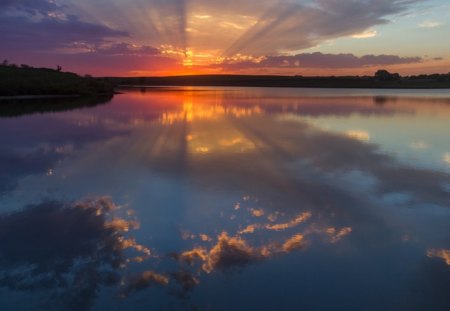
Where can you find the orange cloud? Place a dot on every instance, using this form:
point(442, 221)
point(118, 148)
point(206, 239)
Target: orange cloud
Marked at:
point(297, 220)
point(295, 242)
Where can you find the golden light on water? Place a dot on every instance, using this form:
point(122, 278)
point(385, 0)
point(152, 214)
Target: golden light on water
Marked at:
point(191, 112)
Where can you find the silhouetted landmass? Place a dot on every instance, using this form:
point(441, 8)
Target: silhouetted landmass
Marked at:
point(20, 107)
point(381, 79)
point(26, 80)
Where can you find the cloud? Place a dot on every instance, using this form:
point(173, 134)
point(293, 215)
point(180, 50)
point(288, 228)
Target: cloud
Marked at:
point(29, 6)
point(366, 34)
point(319, 60)
point(446, 158)
point(430, 24)
point(292, 223)
point(45, 26)
point(49, 33)
point(287, 26)
point(360, 135)
point(120, 49)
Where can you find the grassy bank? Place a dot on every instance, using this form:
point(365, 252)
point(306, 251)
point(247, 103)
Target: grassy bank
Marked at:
point(25, 80)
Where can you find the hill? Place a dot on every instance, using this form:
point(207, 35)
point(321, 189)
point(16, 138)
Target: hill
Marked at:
point(26, 80)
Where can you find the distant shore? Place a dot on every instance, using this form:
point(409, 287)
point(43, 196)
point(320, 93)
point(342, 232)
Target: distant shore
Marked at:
point(25, 82)
point(393, 82)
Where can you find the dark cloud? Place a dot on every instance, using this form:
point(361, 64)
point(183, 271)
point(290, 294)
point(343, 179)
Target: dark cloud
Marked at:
point(120, 49)
point(319, 60)
point(44, 26)
point(29, 6)
point(50, 33)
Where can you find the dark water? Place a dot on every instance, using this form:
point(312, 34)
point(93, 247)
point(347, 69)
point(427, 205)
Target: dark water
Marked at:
point(229, 199)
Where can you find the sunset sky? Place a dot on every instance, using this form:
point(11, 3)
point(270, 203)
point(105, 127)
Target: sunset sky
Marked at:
point(173, 37)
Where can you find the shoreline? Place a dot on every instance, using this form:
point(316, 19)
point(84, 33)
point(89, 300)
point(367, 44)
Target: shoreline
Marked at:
point(283, 81)
point(149, 86)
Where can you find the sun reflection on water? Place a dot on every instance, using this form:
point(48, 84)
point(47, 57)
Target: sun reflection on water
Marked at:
point(193, 111)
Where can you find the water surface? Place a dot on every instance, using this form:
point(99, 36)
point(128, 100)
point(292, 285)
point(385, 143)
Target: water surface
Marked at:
point(229, 199)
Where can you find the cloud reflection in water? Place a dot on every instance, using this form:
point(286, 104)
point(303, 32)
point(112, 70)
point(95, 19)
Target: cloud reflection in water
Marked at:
point(443, 254)
point(255, 243)
point(71, 249)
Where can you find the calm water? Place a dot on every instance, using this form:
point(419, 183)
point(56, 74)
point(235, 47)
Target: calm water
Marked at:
point(229, 199)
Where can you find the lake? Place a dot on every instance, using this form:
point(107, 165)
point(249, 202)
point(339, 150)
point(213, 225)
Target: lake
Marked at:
point(229, 199)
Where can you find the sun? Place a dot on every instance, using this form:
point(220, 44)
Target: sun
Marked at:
point(188, 59)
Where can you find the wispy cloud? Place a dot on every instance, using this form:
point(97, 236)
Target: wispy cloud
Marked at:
point(291, 25)
point(366, 34)
point(430, 24)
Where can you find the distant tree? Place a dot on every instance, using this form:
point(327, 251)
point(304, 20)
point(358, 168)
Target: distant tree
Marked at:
point(25, 66)
point(384, 75)
point(5, 62)
point(58, 68)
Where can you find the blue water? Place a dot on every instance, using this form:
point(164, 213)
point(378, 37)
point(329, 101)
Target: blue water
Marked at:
point(229, 199)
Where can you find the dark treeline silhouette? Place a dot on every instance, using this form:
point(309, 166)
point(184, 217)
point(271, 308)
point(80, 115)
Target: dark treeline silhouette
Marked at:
point(18, 80)
point(381, 79)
